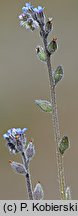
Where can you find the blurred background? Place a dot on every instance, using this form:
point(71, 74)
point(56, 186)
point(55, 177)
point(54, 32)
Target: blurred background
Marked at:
point(23, 78)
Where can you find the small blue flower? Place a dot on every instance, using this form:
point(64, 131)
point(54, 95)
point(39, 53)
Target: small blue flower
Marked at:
point(29, 6)
point(5, 136)
point(38, 10)
point(23, 130)
point(24, 10)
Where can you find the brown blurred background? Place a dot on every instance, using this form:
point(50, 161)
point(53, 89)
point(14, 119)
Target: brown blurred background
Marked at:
point(23, 78)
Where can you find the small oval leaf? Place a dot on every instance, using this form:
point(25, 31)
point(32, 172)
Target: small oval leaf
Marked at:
point(63, 144)
point(58, 74)
point(44, 105)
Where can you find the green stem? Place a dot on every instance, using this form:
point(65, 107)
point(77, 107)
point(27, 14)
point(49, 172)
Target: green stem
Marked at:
point(59, 157)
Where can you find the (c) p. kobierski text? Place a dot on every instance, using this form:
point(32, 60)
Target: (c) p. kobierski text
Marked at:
point(54, 207)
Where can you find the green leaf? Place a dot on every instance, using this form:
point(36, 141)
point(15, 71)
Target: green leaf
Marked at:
point(63, 144)
point(41, 53)
point(58, 74)
point(44, 105)
point(52, 46)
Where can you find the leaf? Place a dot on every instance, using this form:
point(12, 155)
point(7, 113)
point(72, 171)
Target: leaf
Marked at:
point(17, 167)
point(44, 105)
point(41, 53)
point(63, 144)
point(58, 74)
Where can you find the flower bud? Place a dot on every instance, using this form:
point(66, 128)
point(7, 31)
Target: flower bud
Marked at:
point(30, 150)
point(38, 193)
point(63, 144)
point(44, 105)
point(17, 167)
point(12, 148)
point(41, 53)
point(68, 193)
point(48, 26)
point(32, 24)
point(52, 46)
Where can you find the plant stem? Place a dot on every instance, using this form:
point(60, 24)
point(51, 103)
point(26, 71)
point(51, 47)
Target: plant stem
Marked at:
point(59, 157)
point(27, 177)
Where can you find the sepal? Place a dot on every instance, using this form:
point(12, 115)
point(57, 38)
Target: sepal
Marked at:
point(18, 167)
point(52, 46)
point(30, 151)
point(41, 53)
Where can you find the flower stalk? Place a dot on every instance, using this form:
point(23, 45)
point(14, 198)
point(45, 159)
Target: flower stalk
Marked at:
point(55, 121)
point(27, 177)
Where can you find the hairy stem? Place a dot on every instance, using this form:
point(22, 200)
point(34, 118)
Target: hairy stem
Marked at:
point(27, 177)
point(59, 157)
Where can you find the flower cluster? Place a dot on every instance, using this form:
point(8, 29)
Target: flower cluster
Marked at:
point(16, 139)
point(17, 142)
point(31, 16)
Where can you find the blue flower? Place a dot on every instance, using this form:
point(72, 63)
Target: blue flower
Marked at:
point(38, 10)
point(24, 10)
point(15, 139)
point(13, 132)
point(27, 8)
point(28, 18)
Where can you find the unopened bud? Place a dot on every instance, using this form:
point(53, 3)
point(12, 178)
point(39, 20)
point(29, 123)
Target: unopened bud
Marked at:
point(68, 193)
point(49, 26)
point(30, 150)
point(17, 167)
point(41, 53)
point(38, 192)
point(52, 47)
